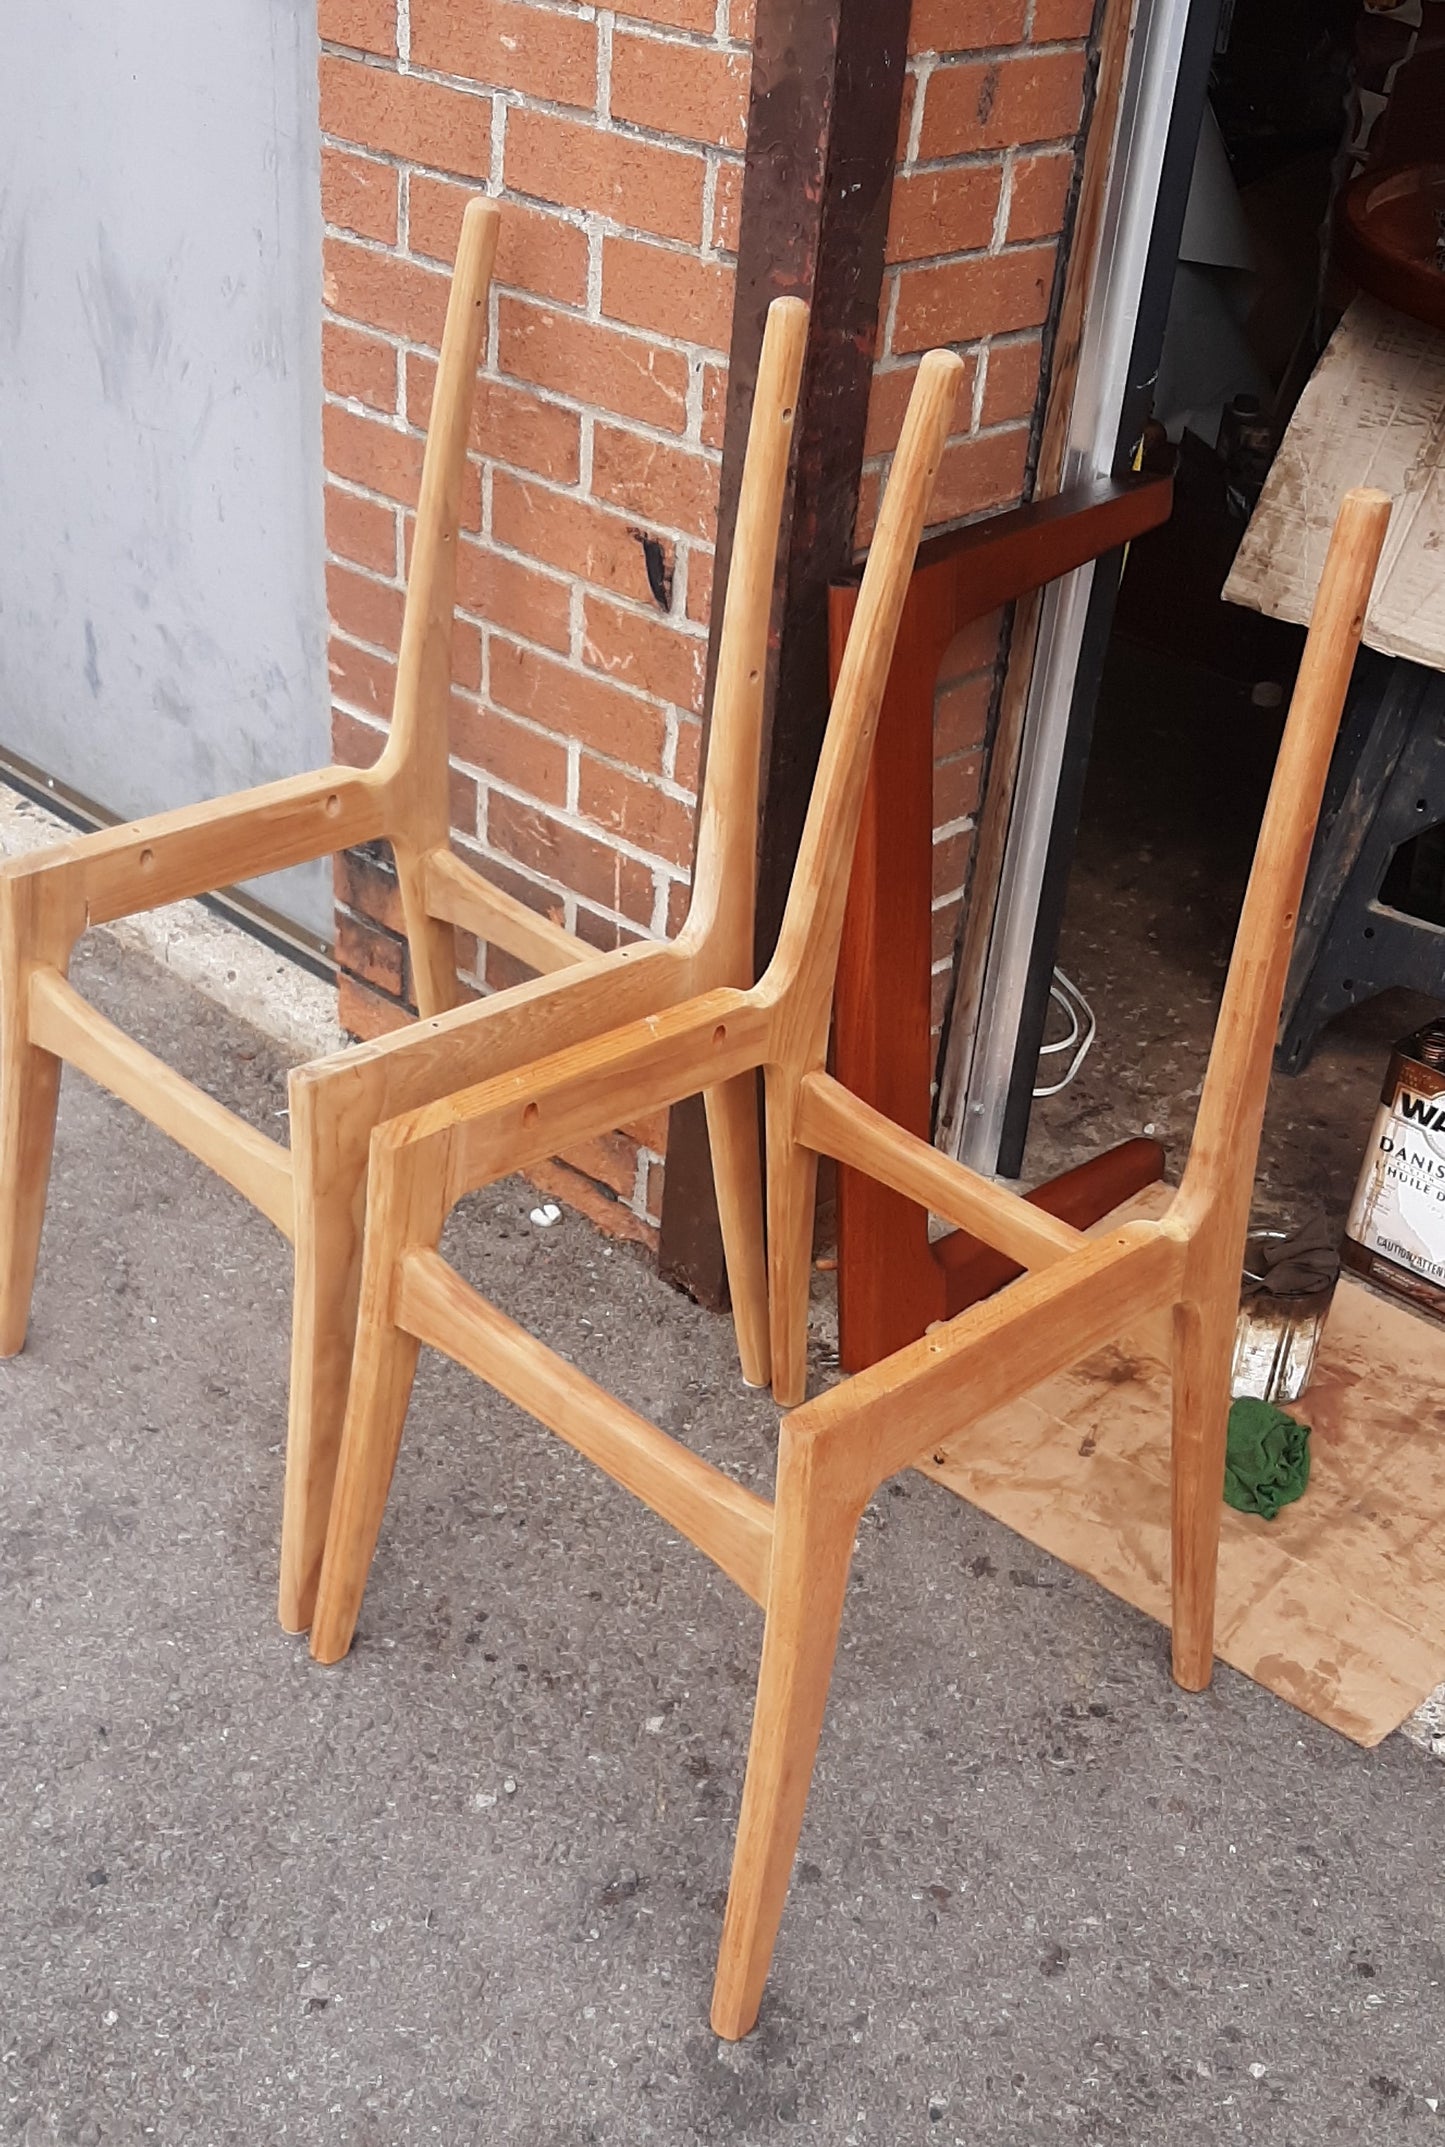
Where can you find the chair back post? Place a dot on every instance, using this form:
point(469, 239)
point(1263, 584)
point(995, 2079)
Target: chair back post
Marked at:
point(719, 922)
point(415, 761)
point(800, 976)
point(1219, 1176)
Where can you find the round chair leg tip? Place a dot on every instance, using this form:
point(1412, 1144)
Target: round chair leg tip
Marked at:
point(730, 2026)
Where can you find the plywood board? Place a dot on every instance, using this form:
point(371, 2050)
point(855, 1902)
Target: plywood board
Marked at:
point(1338, 1605)
point(1373, 413)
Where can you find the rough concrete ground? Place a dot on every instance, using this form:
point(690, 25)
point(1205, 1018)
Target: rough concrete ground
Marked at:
point(467, 1885)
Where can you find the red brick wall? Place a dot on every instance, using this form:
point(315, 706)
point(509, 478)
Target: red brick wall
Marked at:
point(987, 157)
point(586, 564)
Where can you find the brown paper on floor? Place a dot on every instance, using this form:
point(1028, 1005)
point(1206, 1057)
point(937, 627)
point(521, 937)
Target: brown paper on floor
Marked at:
point(1338, 1605)
point(1372, 413)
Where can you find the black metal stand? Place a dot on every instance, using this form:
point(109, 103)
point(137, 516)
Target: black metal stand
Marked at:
point(1387, 785)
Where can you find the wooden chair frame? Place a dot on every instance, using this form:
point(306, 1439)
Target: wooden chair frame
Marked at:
point(315, 1194)
point(793, 1556)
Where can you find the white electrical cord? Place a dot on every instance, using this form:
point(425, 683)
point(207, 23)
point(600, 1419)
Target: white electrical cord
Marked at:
point(1081, 1034)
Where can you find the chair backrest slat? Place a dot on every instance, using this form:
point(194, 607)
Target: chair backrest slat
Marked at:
point(724, 883)
point(1231, 1106)
point(419, 726)
point(803, 967)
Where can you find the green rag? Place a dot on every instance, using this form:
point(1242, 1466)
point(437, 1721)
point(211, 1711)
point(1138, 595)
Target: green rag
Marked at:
point(1267, 1461)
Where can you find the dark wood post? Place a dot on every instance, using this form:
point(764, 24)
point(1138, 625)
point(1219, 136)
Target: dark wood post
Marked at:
point(823, 121)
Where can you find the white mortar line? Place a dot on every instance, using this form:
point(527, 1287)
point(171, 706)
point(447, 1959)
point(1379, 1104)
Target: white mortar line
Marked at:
point(605, 22)
point(922, 68)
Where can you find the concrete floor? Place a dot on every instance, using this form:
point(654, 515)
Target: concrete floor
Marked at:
point(467, 1885)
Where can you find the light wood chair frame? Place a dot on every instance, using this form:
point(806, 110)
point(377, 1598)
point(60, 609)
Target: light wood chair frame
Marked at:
point(315, 1193)
point(793, 1556)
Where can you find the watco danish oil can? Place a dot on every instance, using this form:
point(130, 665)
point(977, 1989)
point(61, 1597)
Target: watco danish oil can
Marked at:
point(1395, 1235)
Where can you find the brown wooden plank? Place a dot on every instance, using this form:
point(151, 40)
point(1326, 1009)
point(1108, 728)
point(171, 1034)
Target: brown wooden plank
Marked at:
point(822, 136)
point(1007, 554)
point(1081, 1196)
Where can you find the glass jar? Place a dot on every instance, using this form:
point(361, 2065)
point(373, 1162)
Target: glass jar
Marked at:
point(1278, 1332)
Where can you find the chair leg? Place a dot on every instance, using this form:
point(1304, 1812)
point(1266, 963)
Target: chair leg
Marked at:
point(792, 1195)
point(815, 1522)
point(381, 1380)
point(406, 1207)
point(732, 1127)
point(1203, 1352)
point(329, 1147)
point(430, 941)
point(29, 1095)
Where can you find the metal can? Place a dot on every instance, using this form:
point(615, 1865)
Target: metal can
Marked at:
point(1278, 1331)
point(1395, 1235)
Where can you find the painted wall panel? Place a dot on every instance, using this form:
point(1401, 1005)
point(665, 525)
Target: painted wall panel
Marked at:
point(162, 608)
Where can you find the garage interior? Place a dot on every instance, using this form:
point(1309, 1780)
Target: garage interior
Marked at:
point(1194, 690)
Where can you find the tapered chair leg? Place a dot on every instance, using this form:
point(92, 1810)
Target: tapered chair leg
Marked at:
point(381, 1382)
point(406, 1209)
point(732, 1128)
point(815, 1522)
point(329, 1149)
point(792, 1193)
point(431, 943)
point(1203, 1354)
point(29, 1096)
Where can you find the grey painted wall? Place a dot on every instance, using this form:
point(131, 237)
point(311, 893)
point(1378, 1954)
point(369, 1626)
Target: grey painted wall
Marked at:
point(162, 607)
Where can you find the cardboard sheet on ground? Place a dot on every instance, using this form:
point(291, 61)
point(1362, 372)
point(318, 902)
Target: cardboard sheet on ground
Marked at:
point(1373, 413)
point(1338, 1605)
